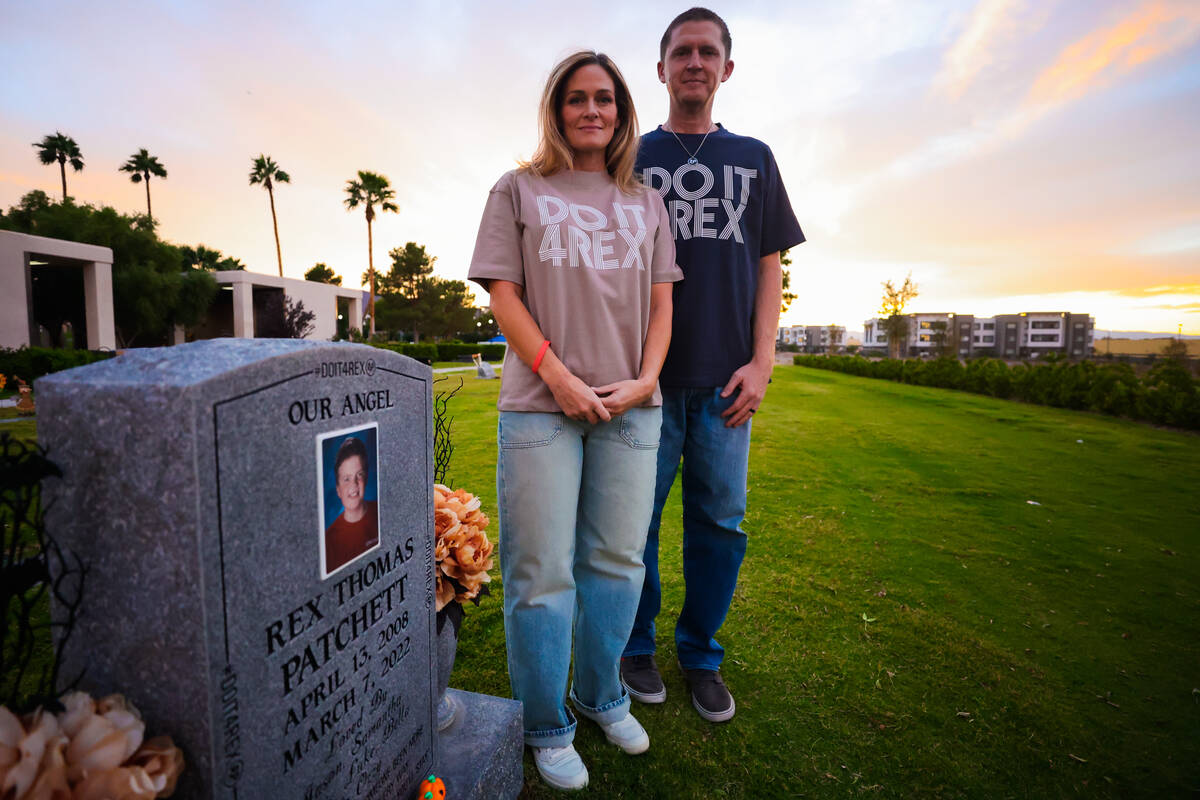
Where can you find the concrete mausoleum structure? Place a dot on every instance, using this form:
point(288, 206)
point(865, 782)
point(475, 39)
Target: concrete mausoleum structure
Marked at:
point(244, 295)
point(76, 279)
point(53, 285)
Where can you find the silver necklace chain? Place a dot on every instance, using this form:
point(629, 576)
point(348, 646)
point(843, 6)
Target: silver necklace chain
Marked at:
point(691, 156)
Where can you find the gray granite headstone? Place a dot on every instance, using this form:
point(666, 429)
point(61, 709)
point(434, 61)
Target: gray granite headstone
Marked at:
point(198, 485)
point(482, 368)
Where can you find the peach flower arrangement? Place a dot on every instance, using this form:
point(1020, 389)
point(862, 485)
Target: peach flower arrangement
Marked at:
point(463, 553)
point(92, 750)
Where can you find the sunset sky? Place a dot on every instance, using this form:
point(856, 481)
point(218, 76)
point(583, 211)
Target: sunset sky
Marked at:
point(1013, 155)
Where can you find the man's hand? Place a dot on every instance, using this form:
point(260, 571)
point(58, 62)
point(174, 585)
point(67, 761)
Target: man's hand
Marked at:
point(750, 382)
point(621, 396)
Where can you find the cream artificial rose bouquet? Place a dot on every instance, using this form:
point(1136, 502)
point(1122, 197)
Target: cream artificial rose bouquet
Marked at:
point(91, 750)
point(463, 553)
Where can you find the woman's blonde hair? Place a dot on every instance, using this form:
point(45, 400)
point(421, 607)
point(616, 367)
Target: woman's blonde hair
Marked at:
point(554, 154)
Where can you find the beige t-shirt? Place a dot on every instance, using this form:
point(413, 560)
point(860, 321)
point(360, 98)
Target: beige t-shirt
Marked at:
point(586, 254)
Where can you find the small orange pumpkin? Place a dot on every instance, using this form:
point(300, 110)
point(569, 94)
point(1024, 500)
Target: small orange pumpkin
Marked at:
point(432, 788)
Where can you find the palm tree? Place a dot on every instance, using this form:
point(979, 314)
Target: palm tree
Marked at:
point(268, 173)
point(141, 165)
point(62, 149)
point(370, 189)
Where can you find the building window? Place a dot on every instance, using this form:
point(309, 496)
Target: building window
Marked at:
point(1012, 326)
point(1044, 324)
point(1044, 337)
point(925, 337)
point(926, 326)
point(989, 339)
point(991, 326)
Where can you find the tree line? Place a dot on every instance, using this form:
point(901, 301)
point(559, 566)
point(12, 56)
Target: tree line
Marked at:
point(411, 299)
point(1167, 394)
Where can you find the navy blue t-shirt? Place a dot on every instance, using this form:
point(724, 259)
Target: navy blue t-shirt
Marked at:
point(726, 211)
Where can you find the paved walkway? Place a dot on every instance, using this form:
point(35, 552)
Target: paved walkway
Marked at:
point(469, 367)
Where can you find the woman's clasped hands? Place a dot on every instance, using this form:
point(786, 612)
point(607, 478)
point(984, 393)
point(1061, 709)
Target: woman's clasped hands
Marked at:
point(596, 403)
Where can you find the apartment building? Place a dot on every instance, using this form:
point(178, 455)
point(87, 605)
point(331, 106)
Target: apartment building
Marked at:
point(1029, 334)
point(793, 334)
point(875, 334)
point(824, 338)
point(1033, 333)
point(814, 338)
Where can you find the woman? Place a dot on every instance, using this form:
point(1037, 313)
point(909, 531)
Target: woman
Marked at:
point(579, 260)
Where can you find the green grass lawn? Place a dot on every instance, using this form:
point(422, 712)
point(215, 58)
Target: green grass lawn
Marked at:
point(20, 427)
point(908, 623)
point(467, 365)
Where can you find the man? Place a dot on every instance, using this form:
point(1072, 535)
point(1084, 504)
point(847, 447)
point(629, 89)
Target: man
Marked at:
point(730, 217)
point(356, 529)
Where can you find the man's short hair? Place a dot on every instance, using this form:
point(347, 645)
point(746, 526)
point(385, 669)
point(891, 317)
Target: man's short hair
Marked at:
point(350, 447)
point(696, 14)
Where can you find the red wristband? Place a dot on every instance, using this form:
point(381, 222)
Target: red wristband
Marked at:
point(537, 362)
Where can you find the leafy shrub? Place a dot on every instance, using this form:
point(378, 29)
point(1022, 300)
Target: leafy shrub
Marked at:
point(29, 363)
point(889, 368)
point(453, 351)
point(427, 353)
point(1114, 390)
point(444, 351)
point(1074, 380)
point(999, 380)
point(944, 372)
point(1168, 394)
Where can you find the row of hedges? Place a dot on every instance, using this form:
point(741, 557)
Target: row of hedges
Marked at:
point(453, 351)
point(1167, 394)
point(443, 351)
point(30, 363)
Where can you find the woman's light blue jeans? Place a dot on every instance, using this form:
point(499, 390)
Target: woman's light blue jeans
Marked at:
point(575, 502)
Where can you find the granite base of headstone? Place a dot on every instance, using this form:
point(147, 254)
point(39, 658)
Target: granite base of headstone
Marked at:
point(479, 754)
point(257, 520)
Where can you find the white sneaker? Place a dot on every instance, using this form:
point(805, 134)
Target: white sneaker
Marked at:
point(628, 734)
point(561, 767)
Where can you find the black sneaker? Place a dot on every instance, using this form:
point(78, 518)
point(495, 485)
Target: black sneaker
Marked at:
point(709, 695)
point(639, 675)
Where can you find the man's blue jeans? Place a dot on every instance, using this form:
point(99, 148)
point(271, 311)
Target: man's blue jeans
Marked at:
point(715, 460)
point(575, 502)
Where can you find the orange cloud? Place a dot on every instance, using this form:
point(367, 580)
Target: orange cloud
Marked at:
point(1154, 30)
point(1150, 291)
